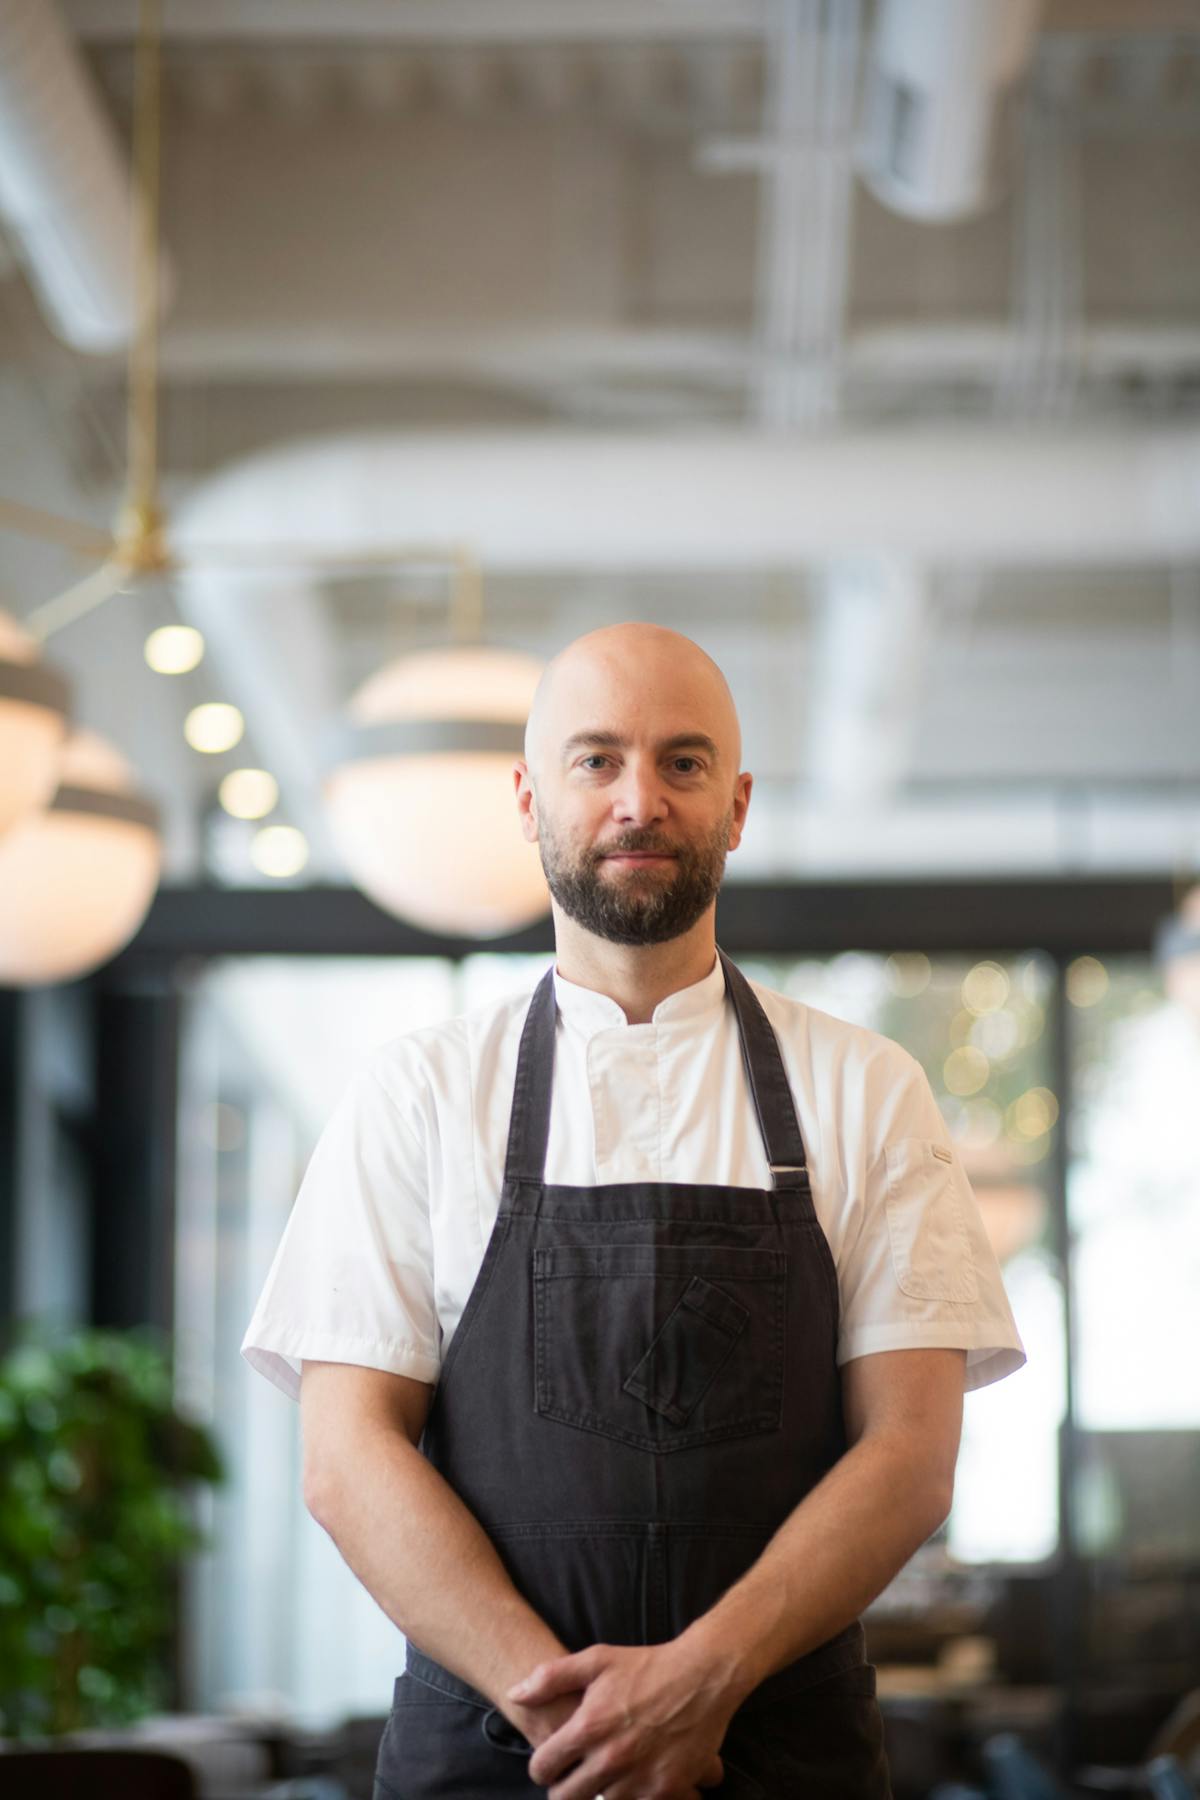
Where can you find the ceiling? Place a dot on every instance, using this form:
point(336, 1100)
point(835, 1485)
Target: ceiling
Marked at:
point(599, 291)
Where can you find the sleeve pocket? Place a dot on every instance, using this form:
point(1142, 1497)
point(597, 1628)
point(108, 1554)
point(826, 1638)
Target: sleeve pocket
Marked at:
point(931, 1250)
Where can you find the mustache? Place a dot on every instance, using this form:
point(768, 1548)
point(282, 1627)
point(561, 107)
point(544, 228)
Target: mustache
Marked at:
point(633, 844)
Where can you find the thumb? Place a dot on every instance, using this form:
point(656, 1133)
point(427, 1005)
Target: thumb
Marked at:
point(564, 1675)
point(712, 1775)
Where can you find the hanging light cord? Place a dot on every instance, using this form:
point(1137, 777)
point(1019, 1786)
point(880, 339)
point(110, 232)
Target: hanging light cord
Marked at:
point(466, 599)
point(140, 530)
point(138, 545)
point(138, 541)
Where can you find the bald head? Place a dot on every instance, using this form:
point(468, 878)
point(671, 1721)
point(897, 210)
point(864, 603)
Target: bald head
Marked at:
point(627, 677)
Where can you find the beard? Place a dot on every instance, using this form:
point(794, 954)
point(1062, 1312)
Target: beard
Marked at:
point(647, 905)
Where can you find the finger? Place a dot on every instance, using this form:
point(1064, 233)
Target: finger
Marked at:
point(713, 1775)
point(563, 1675)
point(591, 1778)
point(560, 1753)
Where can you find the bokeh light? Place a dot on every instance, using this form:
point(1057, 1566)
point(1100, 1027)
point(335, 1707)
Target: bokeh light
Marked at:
point(214, 727)
point(1087, 981)
point(279, 851)
point(985, 988)
point(174, 649)
point(248, 793)
point(966, 1070)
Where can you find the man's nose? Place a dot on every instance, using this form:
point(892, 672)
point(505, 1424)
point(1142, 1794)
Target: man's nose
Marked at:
point(640, 796)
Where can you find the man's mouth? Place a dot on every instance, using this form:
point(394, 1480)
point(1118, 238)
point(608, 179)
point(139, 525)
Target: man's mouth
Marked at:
point(638, 856)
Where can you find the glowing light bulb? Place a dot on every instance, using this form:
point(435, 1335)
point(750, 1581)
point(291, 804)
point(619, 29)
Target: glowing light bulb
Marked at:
point(248, 793)
point(173, 649)
point(214, 727)
point(279, 851)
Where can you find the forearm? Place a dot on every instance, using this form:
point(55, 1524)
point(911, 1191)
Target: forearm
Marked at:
point(429, 1564)
point(829, 1559)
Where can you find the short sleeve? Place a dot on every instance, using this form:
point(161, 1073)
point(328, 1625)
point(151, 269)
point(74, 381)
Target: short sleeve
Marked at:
point(352, 1280)
point(921, 1272)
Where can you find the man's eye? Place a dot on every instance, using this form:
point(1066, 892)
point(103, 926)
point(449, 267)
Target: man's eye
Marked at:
point(687, 759)
point(595, 757)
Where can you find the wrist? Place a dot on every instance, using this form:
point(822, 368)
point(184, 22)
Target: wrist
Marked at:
point(516, 1652)
point(720, 1664)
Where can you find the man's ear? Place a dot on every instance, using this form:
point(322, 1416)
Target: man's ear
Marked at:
point(526, 800)
point(741, 805)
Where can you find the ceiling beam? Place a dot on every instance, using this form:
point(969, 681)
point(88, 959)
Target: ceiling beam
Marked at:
point(1099, 917)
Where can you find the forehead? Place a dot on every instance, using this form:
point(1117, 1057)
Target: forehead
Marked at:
point(651, 693)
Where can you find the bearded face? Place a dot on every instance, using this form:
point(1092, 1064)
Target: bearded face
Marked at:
point(629, 902)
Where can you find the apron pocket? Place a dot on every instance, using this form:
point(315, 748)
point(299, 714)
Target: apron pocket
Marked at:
point(661, 1347)
point(687, 1355)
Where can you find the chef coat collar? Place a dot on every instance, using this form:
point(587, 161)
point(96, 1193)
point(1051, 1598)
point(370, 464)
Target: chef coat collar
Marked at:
point(588, 1012)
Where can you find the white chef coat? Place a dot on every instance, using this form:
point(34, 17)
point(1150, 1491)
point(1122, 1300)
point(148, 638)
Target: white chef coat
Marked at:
point(395, 1210)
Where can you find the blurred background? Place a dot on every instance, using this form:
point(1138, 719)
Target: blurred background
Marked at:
point(356, 356)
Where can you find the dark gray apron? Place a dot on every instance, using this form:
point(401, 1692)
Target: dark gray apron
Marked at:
point(642, 1387)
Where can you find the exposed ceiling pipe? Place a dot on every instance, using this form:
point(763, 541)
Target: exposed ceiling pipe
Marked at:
point(805, 208)
point(937, 74)
point(448, 21)
point(912, 499)
point(616, 503)
point(65, 192)
point(985, 497)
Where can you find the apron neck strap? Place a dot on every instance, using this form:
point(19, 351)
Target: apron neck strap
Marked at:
point(767, 1079)
point(774, 1108)
point(529, 1125)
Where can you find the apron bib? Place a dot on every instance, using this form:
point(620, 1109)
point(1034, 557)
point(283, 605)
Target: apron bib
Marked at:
point(642, 1388)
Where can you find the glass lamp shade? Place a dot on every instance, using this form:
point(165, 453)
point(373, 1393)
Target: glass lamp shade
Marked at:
point(77, 879)
point(34, 702)
point(421, 802)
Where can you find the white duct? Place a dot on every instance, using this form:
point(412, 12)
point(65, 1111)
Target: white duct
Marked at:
point(985, 497)
point(64, 185)
point(937, 74)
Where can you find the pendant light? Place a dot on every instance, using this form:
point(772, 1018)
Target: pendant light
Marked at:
point(77, 878)
point(421, 799)
point(34, 702)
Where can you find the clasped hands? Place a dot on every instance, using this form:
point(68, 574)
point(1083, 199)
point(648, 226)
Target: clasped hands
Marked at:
point(646, 1723)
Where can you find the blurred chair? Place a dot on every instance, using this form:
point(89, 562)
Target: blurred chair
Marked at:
point(1012, 1773)
point(1179, 1735)
point(1172, 1761)
point(90, 1774)
point(1166, 1780)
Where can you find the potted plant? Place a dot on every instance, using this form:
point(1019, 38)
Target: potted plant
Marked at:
point(94, 1522)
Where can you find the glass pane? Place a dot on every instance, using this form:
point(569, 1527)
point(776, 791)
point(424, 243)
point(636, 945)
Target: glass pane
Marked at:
point(1134, 1207)
point(275, 1617)
point(978, 1027)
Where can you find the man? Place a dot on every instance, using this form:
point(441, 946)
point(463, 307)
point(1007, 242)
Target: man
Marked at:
point(620, 1409)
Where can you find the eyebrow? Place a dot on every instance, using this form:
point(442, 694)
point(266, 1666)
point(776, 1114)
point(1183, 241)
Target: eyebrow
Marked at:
point(612, 740)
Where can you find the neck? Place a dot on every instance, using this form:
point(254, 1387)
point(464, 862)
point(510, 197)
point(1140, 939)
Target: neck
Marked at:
point(636, 976)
